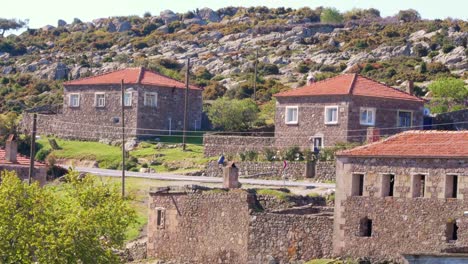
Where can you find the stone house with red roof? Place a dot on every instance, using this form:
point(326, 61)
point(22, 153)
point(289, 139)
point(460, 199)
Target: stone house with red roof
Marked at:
point(10, 160)
point(153, 105)
point(407, 194)
point(341, 109)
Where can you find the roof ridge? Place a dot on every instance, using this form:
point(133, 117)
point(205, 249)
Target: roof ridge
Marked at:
point(315, 83)
point(165, 76)
point(98, 75)
point(353, 82)
point(388, 86)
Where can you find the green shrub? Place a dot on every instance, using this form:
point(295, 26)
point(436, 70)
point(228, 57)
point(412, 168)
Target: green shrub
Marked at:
point(293, 154)
point(361, 44)
point(251, 155)
point(280, 195)
point(41, 155)
point(420, 50)
point(433, 53)
point(303, 67)
point(269, 154)
point(448, 48)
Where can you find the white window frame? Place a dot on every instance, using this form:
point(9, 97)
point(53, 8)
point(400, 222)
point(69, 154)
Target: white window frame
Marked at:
point(146, 103)
point(70, 100)
point(327, 108)
point(398, 118)
point(291, 122)
point(367, 109)
point(130, 97)
point(97, 102)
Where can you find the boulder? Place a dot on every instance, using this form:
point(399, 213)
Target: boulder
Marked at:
point(47, 28)
point(193, 21)
point(456, 59)
point(131, 144)
point(168, 16)
point(163, 29)
point(209, 15)
point(124, 26)
point(77, 21)
point(61, 23)
point(56, 71)
point(8, 70)
point(111, 27)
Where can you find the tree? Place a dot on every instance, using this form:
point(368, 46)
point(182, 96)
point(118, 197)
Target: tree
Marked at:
point(233, 115)
point(449, 94)
point(8, 125)
point(331, 15)
point(409, 15)
point(11, 24)
point(82, 221)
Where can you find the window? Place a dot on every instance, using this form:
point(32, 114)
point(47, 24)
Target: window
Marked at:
point(404, 118)
point(451, 186)
point(451, 231)
point(128, 99)
point(74, 100)
point(331, 114)
point(357, 185)
point(99, 99)
point(160, 217)
point(151, 99)
point(365, 227)
point(291, 114)
point(419, 185)
point(388, 185)
point(367, 116)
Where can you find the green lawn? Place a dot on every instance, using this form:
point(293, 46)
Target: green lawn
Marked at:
point(109, 157)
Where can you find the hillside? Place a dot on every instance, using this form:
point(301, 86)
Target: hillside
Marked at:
point(291, 45)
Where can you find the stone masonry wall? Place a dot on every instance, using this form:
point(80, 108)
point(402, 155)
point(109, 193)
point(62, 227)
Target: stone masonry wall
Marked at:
point(40, 174)
point(200, 228)
point(215, 145)
point(402, 223)
point(289, 237)
point(320, 171)
point(311, 123)
point(295, 170)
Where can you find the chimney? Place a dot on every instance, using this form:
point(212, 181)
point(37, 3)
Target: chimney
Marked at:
point(11, 149)
point(373, 134)
point(310, 79)
point(231, 176)
point(410, 87)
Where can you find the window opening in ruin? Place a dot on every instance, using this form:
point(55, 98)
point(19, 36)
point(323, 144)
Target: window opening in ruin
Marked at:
point(452, 231)
point(419, 185)
point(451, 186)
point(388, 185)
point(365, 227)
point(357, 185)
point(160, 217)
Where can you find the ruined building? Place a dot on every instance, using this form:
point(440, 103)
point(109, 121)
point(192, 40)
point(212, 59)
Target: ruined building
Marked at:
point(407, 194)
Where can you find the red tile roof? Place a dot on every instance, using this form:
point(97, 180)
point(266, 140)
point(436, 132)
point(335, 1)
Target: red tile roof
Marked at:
point(350, 84)
point(416, 143)
point(21, 160)
point(131, 76)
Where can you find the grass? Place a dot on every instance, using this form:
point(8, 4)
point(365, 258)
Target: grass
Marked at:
point(109, 157)
point(324, 261)
point(278, 194)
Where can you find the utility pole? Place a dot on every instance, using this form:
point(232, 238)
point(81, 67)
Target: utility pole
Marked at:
point(123, 137)
point(255, 76)
point(33, 149)
point(186, 103)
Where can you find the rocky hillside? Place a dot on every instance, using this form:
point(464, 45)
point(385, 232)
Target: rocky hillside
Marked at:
point(291, 44)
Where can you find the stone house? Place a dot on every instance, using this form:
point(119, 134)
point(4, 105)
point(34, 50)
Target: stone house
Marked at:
point(199, 225)
point(10, 160)
point(340, 109)
point(407, 194)
point(153, 105)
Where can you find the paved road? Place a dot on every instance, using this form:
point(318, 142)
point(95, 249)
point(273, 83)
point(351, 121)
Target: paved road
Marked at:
point(175, 177)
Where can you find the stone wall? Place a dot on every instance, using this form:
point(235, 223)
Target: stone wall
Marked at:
point(325, 171)
point(289, 237)
point(257, 169)
point(402, 223)
point(90, 122)
point(215, 145)
point(319, 171)
point(455, 120)
point(200, 228)
point(40, 174)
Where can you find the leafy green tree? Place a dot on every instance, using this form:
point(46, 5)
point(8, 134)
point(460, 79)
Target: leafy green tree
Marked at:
point(8, 123)
point(10, 24)
point(331, 15)
point(409, 15)
point(449, 94)
point(81, 221)
point(233, 115)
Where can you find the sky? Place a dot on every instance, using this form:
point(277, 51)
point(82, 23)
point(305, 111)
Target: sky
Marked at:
point(47, 12)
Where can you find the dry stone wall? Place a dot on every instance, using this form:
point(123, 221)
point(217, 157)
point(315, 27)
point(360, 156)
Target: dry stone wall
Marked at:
point(215, 145)
point(285, 238)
